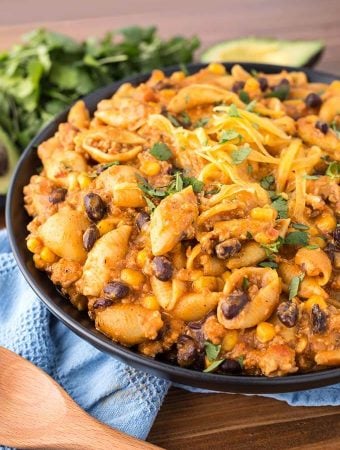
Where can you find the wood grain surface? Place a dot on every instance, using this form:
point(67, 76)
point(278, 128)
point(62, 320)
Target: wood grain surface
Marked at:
point(191, 420)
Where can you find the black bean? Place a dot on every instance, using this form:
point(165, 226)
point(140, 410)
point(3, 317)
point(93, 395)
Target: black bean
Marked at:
point(234, 304)
point(102, 303)
point(116, 290)
point(237, 86)
point(288, 313)
point(230, 366)
point(336, 237)
point(141, 219)
point(57, 195)
point(263, 83)
point(4, 161)
point(319, 319)
point(322, 126)
point(228, 248)
point(313, 100)
point(186, 351)
point(94, 206)
point(162, 268)
point(90, 236)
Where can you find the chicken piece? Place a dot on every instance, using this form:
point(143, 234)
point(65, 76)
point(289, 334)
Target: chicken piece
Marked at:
point(36, 196)
point(313, 136)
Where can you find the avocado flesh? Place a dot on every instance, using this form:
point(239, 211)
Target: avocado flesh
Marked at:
point(269, 51)
point(9, 158)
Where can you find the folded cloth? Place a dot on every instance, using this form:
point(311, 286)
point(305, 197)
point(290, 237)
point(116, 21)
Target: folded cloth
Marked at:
point(109, 390)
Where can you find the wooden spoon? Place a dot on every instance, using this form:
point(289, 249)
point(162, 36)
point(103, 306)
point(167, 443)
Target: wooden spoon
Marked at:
point(36, 413)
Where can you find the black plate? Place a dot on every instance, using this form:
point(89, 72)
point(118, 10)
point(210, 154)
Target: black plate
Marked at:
point(17, 220)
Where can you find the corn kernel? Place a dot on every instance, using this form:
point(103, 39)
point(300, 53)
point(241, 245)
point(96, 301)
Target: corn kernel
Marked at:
point(326, 223)
point(265, 332)
point(73, 182)
point(264, 214)
point(47, 255)
point(151, 302)
point(216, 69)
point(106, 225)
point(315, 300)
point(142, 257)
point(205, 282)
point(150, 168)
point(252, 85)
point(134, 278)
point(225, 275)
point(230, 340)
point(84, 180)
point(34, 245)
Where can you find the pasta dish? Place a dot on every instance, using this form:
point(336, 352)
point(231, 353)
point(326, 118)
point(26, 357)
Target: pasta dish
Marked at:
point(195, 218)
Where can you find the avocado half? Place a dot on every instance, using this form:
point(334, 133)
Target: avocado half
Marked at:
point(8, 159)
point(298, 53)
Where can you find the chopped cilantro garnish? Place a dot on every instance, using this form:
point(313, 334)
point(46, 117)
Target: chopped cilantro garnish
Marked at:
point(300, 226)
point(233, 111)
point(311, 177)
point(185, 119)
point(211, 350)
point(312, 247)
point(333, 170)
point(271, 264)
point(251, 106)
point(281, 206)
point(213, 366)
point(173, 120)
point(297, 238)
point(161, 151)
point(274, 247)
point(149, 203)
point(336, 128)
point(245, 283)
point(196, 184)
point(239, 155)
point(201, 122)
point(244, 96)
point(178, 182)
point(268, 182)
point(229, 135)
point(240, 360)
point(294, 286)
point(281, 92)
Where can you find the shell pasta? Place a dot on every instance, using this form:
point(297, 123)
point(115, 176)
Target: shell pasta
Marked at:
point(195, 218)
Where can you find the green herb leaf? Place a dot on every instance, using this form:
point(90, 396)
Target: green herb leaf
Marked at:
point(173, 120)
point(201, 122)
point(148, 189)
point(240, 360)
point(244, 96)
point(161, 151)
point(213, 366)
point(229, 135)
point(178, 182)
point(336, 128)
point(245, 283)
point(281, 206)
point(333, 170)
point(185, 119)
point(251, 106)
point(297, 238)
point(274, 247)
point(312, 247)
point(311, 177)
point(268, 182)
point(300, 226)
point(239, 155)
point(233, 111)
point(150, 204)
point(281, 92)
point(211, 350)
point(271, 264)
point(294, 286)
point(196, 184)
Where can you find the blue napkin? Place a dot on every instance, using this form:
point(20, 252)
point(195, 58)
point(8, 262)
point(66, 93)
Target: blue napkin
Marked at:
point(109, 390)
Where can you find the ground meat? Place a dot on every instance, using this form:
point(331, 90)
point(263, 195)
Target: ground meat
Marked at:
point(213, 330)
point(64, 272)
point(36, 196)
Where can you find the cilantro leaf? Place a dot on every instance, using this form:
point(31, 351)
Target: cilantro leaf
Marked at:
point(300, 226)
point(281, 92)
point(233, 111)
point(311, 177)
point(161, 151)
point(281, 206)
point(294, 286)
point(185, 119)
point(274, 247)
point(196, 184)
point(149, 203)
point(211, 350)
point(239, 155)
point(201, 122)
point(333, 170)
point(336, 128)
point(213, 366)
point(173, 120)
point(268, 182)
point(245, 283)
point(312, 247)
point(297, 238)
point(229, 135)
point(244, 96)
point(271, 264)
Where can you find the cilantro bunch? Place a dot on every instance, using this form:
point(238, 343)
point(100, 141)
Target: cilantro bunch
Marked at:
point(45, 73)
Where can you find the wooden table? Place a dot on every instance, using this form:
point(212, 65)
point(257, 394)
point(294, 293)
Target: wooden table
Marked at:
point(187, 420)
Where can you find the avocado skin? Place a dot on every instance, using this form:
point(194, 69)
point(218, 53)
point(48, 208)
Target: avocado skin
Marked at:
point(12, 155)
point(308, 60)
